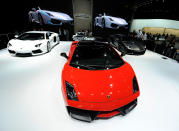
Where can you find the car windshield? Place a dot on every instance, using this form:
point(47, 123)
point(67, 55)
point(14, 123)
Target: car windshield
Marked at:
point(81, 33)
point(95, 57)
point(31, 36)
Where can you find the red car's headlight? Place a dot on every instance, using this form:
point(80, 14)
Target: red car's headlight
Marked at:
point(71, 94)
point(135, 85)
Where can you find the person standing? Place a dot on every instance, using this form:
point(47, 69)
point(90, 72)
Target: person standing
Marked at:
point(139, 34)
point(170, 48)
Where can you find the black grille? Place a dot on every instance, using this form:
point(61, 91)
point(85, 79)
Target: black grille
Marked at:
point(83, 115)
point(23, 54)
point(11, 51)
point(37, 51)
point(114, 25)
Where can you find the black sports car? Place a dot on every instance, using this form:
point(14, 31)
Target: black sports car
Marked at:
point(127, 45)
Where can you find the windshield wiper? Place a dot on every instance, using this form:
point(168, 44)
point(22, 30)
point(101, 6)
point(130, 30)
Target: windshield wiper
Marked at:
point(83, 66)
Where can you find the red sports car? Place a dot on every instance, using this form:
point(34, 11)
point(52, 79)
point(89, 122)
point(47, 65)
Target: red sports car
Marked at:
point(97, 82)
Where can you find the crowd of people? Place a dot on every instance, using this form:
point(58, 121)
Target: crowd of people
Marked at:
point(167, 42)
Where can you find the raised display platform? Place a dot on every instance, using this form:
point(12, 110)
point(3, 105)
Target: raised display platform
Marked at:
point(31, 97)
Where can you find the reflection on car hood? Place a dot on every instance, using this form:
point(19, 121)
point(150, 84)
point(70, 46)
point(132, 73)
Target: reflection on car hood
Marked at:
point(134, 44)
point(16, 42)
point(94, 86)
point(59, 15)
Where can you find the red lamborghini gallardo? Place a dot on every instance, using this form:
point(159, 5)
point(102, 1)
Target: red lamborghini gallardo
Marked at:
point(97, 82)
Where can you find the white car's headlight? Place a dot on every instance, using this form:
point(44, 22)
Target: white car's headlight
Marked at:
point(38, 45)
point(9, 45)
point(128, 46)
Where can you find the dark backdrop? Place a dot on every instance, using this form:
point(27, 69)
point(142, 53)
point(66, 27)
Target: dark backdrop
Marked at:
point(14, 14)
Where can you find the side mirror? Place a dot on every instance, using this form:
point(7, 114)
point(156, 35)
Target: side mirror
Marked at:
point(16, 36)
point(64, 55)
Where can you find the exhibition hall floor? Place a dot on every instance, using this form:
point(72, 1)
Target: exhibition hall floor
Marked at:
point(31, 98)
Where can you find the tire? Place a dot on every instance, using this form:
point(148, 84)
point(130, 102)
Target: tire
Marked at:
point(48, 47)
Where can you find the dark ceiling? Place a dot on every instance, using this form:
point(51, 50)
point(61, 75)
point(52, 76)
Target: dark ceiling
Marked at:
point(14, 14)
point(140, 9)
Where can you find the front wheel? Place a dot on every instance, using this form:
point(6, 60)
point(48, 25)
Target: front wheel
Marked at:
point(48, 47)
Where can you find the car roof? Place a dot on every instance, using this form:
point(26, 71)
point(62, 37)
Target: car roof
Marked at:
point(92, 43)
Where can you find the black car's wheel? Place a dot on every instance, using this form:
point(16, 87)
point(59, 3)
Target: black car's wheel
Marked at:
point(110, 40)
point(122, 48)
point(116, 43)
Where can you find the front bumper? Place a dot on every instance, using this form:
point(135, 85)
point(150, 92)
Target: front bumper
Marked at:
point(88, 115)
point(25, 53)
point(102, 106)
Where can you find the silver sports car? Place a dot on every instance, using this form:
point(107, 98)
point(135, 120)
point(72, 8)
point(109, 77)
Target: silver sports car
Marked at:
point(105, 21)
point(45, 17)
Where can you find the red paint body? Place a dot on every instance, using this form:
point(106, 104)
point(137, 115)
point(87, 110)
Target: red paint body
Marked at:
point(94, 86)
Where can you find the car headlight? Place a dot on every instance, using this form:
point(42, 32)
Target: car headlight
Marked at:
point(135, 85)
point(38, 45)
point(128, 46)
point(9, 45)
point(71, 94)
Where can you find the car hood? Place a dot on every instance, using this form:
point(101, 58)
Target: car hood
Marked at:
point(101, 85)
point(25, 43)
point(138, 45)
point(59, 15)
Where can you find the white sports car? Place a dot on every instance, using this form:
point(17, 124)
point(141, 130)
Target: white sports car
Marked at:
point(111, 22)
point(33, 43)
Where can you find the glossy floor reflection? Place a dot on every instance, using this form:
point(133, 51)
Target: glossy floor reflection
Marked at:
point(31, 99)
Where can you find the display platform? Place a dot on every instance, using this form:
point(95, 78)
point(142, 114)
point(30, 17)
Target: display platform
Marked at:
point(31, 97)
